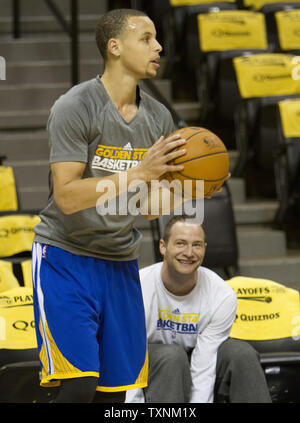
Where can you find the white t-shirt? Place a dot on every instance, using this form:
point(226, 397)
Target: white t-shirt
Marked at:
point(199, 321)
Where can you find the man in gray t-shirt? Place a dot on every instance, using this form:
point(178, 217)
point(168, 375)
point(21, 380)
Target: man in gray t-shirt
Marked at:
point(104, 133)
point(85, 126)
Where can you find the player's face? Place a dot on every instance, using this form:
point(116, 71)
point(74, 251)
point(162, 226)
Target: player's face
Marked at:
point(185, 249)
point(139, 49)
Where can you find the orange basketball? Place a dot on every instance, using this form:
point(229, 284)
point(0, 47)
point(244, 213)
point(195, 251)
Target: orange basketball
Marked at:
point(206, 159)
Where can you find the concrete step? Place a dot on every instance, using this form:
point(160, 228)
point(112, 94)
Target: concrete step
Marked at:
point(55, 71)
point(33, 198)
point(259, 242)
point(233, 157)
point(49, 24)
point(285, 269)
point(30, 96)
point(30, 173)
point(255, 212)
point(164, 86)
point(51, 51)
point(237, 190)
point(39, 8)
point(42, 96)
point(24, 145)
point(146, 253)
point(28, 118)
point(188, 111)
point(23, 119)
point(51, 47)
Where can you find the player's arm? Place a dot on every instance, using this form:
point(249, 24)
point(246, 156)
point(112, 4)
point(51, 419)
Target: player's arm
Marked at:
point(73, 193)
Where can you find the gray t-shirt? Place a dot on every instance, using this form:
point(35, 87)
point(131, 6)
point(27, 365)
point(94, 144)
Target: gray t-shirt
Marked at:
point(84, 125)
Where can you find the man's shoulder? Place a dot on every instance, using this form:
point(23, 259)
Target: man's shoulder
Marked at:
point(213, 281)
point(80, 95)
point(149, 272)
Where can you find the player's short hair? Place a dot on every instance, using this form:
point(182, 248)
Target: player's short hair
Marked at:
point(175, 219)
point(111, 25)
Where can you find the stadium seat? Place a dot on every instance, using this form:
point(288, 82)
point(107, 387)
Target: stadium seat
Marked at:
point(222, 247)
point(260, 4)
point(217, 38)
point(220, 231)
point(171, 18)
point(263, 80)
point(287, 170)
point(19, 360)
point(17, 233)
point(182, 11)
point(268, 318)
point(16, 236)
point(8, 279)
point(8, 190)
point(282, 20)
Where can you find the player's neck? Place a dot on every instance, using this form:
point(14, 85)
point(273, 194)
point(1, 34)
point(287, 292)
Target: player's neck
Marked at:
point(176, 283)
point(120, 88)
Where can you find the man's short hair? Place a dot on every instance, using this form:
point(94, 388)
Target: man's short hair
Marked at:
point(175, 219)
point(111, 25)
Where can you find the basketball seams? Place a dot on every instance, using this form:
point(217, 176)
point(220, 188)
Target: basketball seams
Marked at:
point(200, 157)
point(196, 133)
point(212, 160)
point(196, 179)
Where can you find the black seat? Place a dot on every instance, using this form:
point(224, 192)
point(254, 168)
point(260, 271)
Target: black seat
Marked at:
point(255, 124)
point(270, 10)
point(265, 150)
point(287, 172)
point(282, 375)
point(220, 229)
point(19, 383)
point(15, 248)
point(212, 63)
point(19, 358)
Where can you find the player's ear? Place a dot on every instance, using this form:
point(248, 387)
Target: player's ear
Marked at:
point(113, 47)
point(162, 247)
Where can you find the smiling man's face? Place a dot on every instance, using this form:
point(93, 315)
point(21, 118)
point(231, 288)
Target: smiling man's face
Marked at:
point(185, 249)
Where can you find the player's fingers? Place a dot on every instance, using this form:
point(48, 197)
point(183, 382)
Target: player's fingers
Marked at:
point(174, 137)
point(174, 154)
point(174, 168)
point(161, 146)
point(169, 143)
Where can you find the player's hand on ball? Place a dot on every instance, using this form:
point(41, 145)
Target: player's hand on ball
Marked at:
point(156, 160)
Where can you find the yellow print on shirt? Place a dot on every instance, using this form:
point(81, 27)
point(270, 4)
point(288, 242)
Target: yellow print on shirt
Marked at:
point(117, 159)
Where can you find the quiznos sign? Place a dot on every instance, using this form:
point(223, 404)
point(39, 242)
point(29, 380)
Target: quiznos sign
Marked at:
point(266, 310)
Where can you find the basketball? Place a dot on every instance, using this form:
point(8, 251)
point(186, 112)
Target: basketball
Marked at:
point(206, 159)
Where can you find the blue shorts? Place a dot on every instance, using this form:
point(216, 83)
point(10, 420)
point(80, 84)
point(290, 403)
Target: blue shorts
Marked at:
point(89, 318)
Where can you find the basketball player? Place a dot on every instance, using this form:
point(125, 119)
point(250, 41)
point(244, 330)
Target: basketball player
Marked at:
point(88, 302)
point(189, 314)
